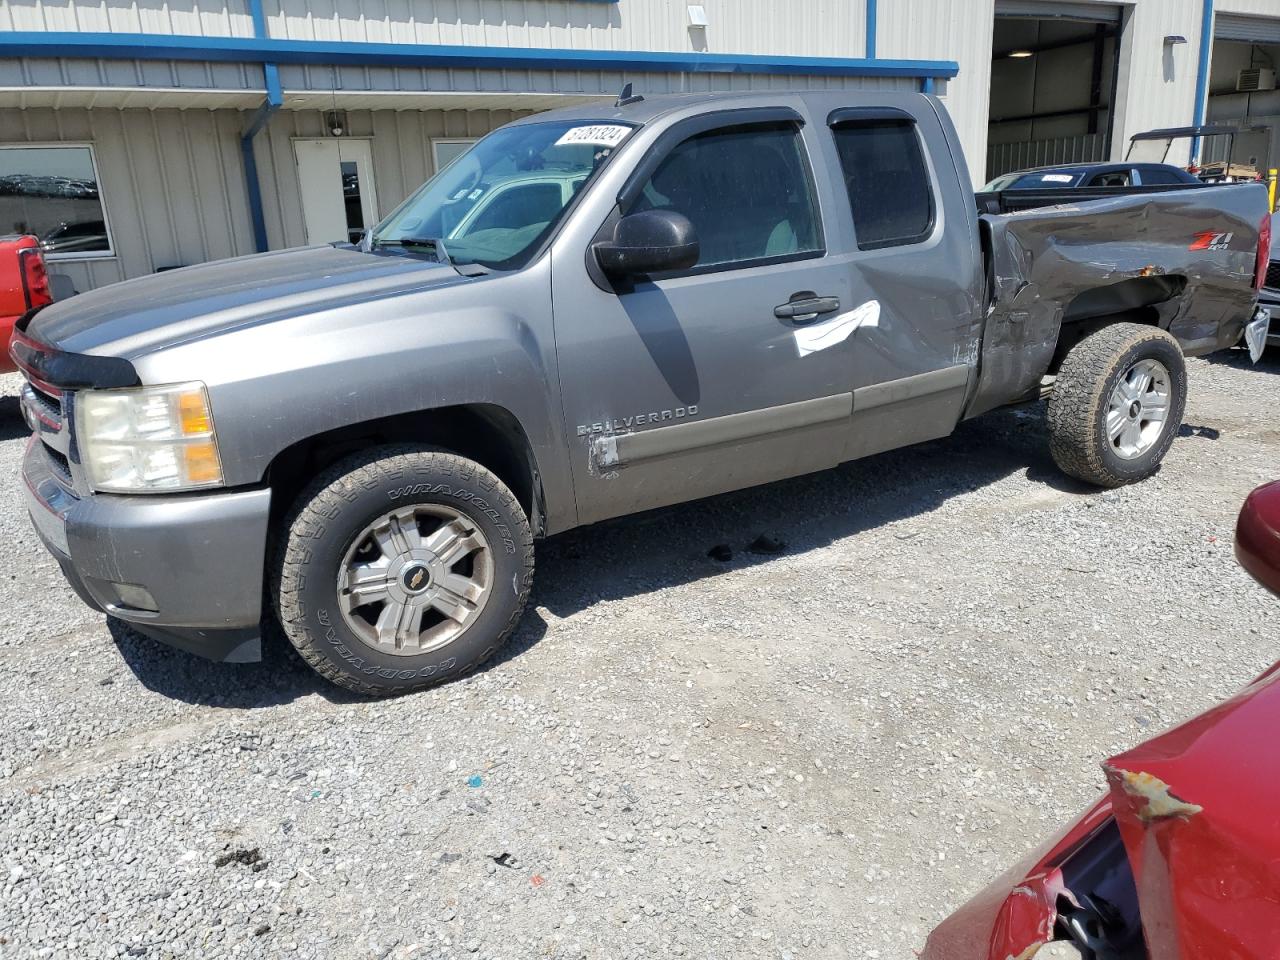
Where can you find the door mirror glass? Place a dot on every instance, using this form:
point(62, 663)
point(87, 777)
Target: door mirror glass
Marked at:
point(652, 241)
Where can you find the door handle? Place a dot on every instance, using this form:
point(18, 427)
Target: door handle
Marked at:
point(806, 306)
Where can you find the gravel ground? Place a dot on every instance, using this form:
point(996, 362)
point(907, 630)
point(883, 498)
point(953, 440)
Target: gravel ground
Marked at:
point(815, 754)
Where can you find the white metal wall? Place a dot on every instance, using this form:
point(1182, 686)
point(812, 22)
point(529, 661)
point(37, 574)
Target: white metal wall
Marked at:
point(796, 27)
point(200, 18)
point(947, 30)
point(172, 183)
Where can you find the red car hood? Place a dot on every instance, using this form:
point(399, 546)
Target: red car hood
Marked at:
point(1198, 809)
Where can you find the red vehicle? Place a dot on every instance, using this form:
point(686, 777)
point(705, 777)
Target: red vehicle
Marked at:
point(1181, 859)
point(1258, 536)
point(24, 284)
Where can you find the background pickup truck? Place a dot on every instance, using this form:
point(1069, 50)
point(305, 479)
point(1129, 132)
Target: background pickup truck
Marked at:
point(593, 312)
point(24, 286)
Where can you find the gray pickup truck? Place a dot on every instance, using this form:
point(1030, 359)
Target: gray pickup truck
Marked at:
point(594, 311)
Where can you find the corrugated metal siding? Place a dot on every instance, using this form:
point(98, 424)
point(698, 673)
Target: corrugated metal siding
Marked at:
point(797, 27)
point(323, 80)
point(197, 18)
point(1256, 8)
point(1157, 82)
point(158, 74)
point(172, 184)
point(1004, 157)
point(941, 30)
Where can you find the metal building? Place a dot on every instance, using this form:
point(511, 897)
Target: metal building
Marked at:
point(142, 135)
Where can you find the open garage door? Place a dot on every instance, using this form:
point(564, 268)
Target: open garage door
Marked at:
point(1243, 91)
point(1053, 70)
point(1231, 26)
point(1041, 10)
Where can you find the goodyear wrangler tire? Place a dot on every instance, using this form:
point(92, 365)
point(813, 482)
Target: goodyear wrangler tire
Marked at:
point(1117, 404)
point(402, 567)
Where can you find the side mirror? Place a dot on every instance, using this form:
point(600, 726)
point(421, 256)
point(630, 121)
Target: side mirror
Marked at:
point(652, 241)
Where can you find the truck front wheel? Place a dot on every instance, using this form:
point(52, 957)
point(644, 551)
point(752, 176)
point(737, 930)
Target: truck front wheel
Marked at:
point(402, 567)
point(1117, 404)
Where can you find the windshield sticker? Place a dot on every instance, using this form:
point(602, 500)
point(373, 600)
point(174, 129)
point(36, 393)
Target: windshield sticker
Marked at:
point(1057, 178)
point(600, 134)
point(838, 329)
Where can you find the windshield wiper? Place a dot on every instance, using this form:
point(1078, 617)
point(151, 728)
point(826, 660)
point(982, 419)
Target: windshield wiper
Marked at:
point(435, 243)
point(437, 247)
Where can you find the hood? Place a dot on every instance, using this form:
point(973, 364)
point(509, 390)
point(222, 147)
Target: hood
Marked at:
point(1199, 827)
point(140, 316)
point(1199, 812)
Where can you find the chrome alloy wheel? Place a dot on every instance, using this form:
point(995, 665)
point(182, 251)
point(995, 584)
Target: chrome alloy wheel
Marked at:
point(414, 580)
point(1138, 408)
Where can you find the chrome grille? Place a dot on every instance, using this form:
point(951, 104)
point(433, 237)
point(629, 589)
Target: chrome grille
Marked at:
point(46, 407)
point(46, 412)
point(61, 467)
point(1273, 275)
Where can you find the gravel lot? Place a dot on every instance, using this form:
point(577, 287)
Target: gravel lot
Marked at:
point(815, 754)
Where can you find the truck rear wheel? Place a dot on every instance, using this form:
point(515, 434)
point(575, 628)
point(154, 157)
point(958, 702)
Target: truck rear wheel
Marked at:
point(402, 567)
point(1117, 404)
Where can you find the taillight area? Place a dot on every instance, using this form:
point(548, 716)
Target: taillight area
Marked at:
point(35, 278)
point(1264, 252)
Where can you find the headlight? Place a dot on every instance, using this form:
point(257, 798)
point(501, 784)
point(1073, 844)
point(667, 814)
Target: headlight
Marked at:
point(148, 439)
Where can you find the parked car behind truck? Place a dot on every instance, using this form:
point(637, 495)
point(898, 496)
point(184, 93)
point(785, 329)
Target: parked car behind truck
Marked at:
point(24, 285)
point(737, 288)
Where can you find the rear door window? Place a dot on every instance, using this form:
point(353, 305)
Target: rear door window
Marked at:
point(885, 174)
point(747, 190)
point(1159, 175)
point(1111, 178)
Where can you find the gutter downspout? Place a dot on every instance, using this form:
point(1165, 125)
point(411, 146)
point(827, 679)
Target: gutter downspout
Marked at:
point(1202, 74)
point(272, 103)
point(871, 29)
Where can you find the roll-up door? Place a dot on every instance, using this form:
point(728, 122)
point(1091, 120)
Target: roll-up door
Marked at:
point(1233, 26)
point(1092, 12)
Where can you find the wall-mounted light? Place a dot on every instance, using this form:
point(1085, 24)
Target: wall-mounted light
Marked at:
point(336, 122)
point(1021, 54)
point(1173, 39)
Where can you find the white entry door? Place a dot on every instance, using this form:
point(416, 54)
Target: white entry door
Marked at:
point(338, 197)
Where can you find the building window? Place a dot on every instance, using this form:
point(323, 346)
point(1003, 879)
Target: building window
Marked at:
point(444, 152)
point(52, 192)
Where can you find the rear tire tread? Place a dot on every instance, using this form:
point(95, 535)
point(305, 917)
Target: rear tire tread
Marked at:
point(1081, 391)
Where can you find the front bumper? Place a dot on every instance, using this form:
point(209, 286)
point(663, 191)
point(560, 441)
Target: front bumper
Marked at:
point(200, 557)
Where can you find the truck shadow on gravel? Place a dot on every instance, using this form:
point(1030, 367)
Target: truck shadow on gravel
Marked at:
point(12, 424)
point(1269, 362)
point(664, 548)
point(280, 678)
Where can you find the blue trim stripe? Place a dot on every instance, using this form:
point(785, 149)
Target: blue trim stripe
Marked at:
point(134, 46)
point(871, 29)
point(1202, 73)
point(273, 102)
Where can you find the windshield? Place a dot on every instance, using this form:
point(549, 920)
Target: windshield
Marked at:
point(495, 203)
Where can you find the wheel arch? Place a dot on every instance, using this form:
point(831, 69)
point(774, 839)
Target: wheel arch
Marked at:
point(487, 433)
point(1149, 301)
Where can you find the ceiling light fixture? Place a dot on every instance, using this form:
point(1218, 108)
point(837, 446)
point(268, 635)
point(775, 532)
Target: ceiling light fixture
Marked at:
point(1021, 54)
